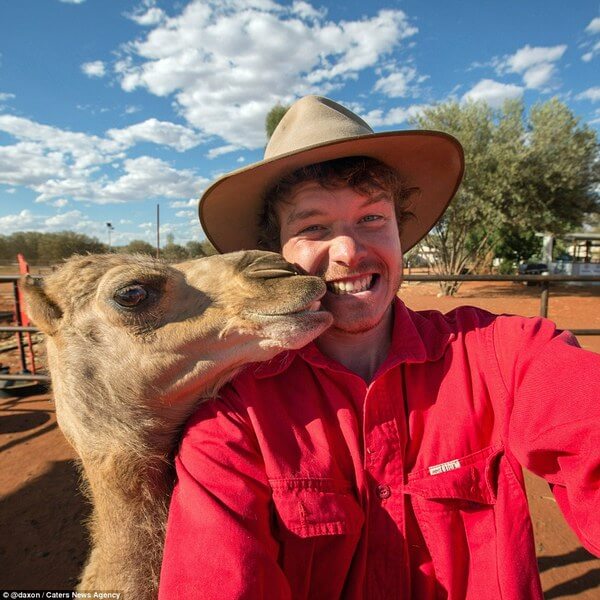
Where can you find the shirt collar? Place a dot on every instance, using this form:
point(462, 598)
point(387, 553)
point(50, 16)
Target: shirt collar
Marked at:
point(417, 337)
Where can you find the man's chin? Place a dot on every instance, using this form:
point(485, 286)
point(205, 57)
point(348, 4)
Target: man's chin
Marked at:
point(356, 326)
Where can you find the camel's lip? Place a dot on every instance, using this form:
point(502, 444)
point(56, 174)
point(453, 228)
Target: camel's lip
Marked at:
point(313, 307)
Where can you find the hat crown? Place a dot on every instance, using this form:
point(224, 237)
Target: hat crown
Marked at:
point(311, 121)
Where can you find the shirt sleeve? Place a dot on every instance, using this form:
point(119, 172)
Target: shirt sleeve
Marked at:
point(219, 542)
point(554, 426)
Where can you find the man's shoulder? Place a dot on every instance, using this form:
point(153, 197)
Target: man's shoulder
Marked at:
point(471, 324)
point(468, 317)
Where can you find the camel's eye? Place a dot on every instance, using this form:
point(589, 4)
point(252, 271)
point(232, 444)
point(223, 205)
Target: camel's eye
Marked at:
point(130, 296)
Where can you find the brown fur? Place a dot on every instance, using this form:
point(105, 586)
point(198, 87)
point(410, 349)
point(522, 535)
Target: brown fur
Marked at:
point(126, 379)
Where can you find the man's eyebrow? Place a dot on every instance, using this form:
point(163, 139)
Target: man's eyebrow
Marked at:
point(304, 214)
point(315, 212)
point(375, 198)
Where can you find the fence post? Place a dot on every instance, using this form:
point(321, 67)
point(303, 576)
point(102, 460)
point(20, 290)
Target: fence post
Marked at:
point(19, 322)
point(544, 299)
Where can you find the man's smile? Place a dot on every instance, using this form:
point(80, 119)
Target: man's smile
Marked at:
point(352, 285)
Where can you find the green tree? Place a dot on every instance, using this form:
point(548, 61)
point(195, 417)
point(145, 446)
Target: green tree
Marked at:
point(564, 167)
point(208, 248)
point(139, 247)
point(522, 175)
point(200, 249)
point(49, 247)
point(173, 252)
point(57, 246)
point(460, 236)
point(273, 117)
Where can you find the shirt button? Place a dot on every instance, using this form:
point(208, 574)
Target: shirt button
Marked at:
point(383, 491)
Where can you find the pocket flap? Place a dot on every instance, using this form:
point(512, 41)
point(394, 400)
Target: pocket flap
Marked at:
point(310, 507)
point(471, 478)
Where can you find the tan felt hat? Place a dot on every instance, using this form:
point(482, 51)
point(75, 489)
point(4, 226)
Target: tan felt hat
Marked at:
point(317, 129)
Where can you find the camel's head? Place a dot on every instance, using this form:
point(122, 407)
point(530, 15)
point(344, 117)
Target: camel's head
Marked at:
point(130, 328)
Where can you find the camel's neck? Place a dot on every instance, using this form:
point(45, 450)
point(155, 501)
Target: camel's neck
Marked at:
point(127, 526)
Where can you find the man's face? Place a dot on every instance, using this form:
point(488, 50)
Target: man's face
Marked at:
point(352, 241)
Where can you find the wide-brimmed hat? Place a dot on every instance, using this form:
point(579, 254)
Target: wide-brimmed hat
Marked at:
point(317, 129)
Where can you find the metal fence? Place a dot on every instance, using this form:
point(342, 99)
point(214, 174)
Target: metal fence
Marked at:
point(545, 282)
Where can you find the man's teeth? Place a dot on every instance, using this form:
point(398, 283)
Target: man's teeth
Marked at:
point(350, 287)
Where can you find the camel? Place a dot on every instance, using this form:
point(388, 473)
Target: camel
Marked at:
point(134, 345)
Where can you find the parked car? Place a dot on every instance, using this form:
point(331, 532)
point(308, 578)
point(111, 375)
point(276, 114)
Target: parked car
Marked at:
point(533, 268)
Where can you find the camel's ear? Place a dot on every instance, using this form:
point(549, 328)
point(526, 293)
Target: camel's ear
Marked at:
point(39, 307)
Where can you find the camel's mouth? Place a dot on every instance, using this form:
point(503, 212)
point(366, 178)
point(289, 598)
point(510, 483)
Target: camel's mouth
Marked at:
point(312, 308)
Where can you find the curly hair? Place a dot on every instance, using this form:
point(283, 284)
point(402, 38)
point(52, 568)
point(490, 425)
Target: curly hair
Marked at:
point(361, 173)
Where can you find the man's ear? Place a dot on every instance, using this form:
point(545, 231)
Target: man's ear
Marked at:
point(39, 307)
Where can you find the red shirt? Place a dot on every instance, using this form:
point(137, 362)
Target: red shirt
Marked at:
point(302, 481)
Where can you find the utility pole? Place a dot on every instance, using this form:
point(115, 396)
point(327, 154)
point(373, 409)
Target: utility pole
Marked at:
point(109, 227)
point(158, 231)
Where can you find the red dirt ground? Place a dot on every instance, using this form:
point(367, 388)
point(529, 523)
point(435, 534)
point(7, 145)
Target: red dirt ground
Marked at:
point(43, 542)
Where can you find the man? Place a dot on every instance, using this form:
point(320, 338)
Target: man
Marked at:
point(384, 459)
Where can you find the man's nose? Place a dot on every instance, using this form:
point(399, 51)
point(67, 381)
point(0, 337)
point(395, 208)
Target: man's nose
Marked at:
point(346, 250)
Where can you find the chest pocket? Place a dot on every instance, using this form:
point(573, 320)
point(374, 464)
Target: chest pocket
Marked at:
point(318, 525)
point(308, 507)
point(454, 505)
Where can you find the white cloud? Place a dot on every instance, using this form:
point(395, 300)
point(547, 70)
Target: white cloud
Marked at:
point(184, 204)
point(595, 50)
point(74, 220)
point(72, 1)
point(528, 57)
point(147, 14)
point(158, 132)
point(394, 116)
point(18, 222)
point(60, 203)
point(538, 75)
point(306, 11)
point(592, 94)
point(396, 84)
point(94, 69)
point(80, 149)
point(67, 220)
point(593, 26)
point(493, 92)
point(62, 164)
point(5, 96)
point(535, 64)
point(595, 120)
point(144, 178)
point(227, 62)
point(214, 152)
point(188, 214)
point(29, 164)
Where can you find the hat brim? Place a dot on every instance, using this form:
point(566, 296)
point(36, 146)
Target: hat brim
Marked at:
point(431, 161)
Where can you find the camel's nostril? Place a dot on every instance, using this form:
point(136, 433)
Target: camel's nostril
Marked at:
point(270, 272)
point(270, 267)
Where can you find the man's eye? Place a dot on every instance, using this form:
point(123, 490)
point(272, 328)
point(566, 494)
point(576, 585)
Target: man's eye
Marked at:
point(311, 228)
point(369, 218)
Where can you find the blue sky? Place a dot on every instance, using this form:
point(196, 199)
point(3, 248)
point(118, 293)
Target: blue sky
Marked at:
point(109, 107)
